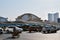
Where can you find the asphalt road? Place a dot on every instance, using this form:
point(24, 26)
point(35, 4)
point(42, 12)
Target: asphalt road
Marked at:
point(32, 36)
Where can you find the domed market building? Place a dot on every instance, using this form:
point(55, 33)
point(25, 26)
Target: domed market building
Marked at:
point(29, 18)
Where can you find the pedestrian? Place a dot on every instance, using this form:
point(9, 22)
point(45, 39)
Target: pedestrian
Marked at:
point(15, 33)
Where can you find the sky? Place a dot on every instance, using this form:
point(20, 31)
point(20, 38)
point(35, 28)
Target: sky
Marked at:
point(11, 9)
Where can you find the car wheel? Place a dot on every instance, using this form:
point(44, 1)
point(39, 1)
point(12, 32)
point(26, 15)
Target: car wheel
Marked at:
point(43, 31)
point(20, 32)
point(55, 31)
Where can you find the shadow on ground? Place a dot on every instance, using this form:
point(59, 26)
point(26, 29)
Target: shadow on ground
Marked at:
point(10, 38)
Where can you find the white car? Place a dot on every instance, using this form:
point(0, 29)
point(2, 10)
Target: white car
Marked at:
point(10, 29)
point(19, 29)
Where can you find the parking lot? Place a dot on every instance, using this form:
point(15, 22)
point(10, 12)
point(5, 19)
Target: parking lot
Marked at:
point(32, 36)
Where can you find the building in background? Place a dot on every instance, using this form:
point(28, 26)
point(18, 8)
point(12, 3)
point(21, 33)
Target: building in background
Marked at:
point(3, 19)
point(29, 18)
point(58, 20)
point(50, 17)
point(56, 16)
point(53, 17)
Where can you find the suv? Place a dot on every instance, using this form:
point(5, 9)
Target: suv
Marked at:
point(49, 29)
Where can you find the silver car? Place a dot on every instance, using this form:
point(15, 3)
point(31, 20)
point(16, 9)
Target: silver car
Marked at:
point(49, 29)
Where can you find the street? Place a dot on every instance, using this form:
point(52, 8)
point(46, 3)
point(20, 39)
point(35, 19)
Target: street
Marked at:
point(32, 36)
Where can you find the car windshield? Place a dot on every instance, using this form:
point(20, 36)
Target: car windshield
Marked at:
point(10, 27)
point(48, 28)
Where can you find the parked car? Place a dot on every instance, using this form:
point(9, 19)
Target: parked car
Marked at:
point(49, 29)
point(35, 29)
point(9, 29)
point(19, 29)
point(1, 30)
point(58, 28)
